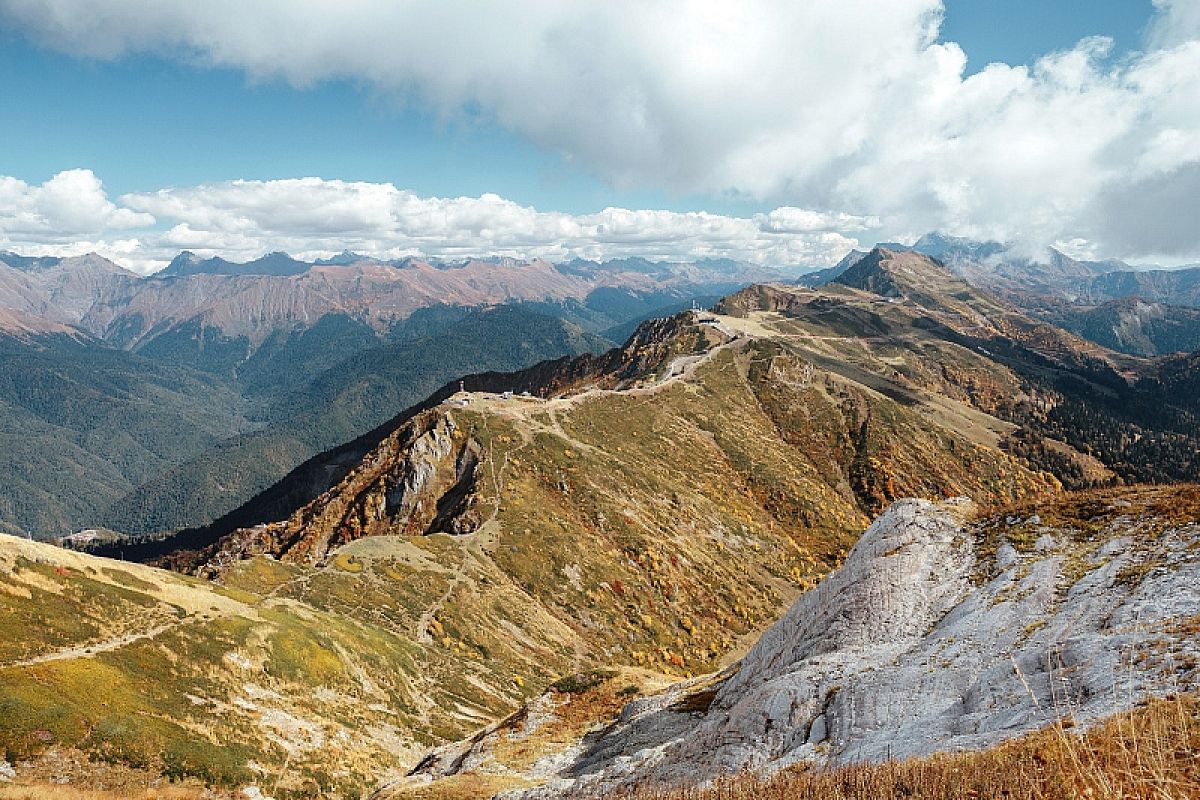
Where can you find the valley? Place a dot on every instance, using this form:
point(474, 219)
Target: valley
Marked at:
point(608, 524)
point(224, 376)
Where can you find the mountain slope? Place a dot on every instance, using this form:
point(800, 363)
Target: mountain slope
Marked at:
point(62, 290)
point(847, 447)
point(82, 423)
point(942, 631)
point(1105, 405)
point(354, 395)
point(1130, 325)
point(1177, 287)
point(239, 686)
point(647, 510)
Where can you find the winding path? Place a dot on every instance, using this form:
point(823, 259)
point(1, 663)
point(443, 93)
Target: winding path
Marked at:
point(95, 648)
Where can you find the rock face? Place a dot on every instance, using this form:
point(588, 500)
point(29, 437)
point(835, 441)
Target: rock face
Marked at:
point(936, 634)
point(420, 480)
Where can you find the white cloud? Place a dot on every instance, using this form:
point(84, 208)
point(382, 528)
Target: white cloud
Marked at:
point(823, 105)
point(312, 217)
point(1178, 21)
point(788, 219)
point(68, 205)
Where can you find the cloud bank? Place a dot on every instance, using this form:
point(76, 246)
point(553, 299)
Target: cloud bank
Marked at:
point(71, 203)
point(312, 217)
point(823, 105)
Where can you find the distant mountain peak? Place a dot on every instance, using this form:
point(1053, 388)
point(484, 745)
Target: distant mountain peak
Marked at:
point(940, 246)
point(897, 273)
point(28, 263)
point(344, 259)
point(92, 262)
point(274, 263)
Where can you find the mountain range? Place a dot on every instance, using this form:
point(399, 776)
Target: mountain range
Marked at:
point(479, 550)
point(1145, 311)
point(221, 377)
point(554, 542)
point(201, 304)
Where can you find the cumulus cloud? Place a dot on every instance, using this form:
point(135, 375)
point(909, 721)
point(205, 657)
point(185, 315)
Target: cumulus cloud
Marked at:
point(826, 105)
point(788, 219)
point(312, 217)
point(70, 204)
point(1178, 21)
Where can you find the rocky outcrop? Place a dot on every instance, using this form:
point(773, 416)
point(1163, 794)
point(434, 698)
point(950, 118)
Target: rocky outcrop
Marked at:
point(419, 480)
point(764, 297)
point(936, 634)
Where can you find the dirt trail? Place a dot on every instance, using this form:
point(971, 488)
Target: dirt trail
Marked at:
point(681, 368)
point(94, 648)
point(421, 629)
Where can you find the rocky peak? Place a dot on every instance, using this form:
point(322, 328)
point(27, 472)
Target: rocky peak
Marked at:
point(893, 273)
point(182, 264)
point(344, 259)
point(28, 263)
point(276, 263)
point(764, 297)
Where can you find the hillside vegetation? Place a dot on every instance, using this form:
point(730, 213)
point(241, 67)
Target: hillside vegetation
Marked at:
point(337, 404)
point(94, 436)
point(1147, 752)
point(82, 423)
point(640, 513)
point(948, 629)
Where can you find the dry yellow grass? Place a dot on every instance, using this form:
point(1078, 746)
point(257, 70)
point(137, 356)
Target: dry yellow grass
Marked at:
point(1150, 753)
point(57, 792)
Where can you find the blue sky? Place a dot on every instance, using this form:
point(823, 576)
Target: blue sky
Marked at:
point(1018, 31)
point(776, 131)
point(142, 122)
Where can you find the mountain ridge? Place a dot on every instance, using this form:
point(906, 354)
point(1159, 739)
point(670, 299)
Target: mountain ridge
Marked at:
point(278, 340)
point(648, 510)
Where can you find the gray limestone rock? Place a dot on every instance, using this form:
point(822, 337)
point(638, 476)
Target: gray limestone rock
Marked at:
point(914, 646)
